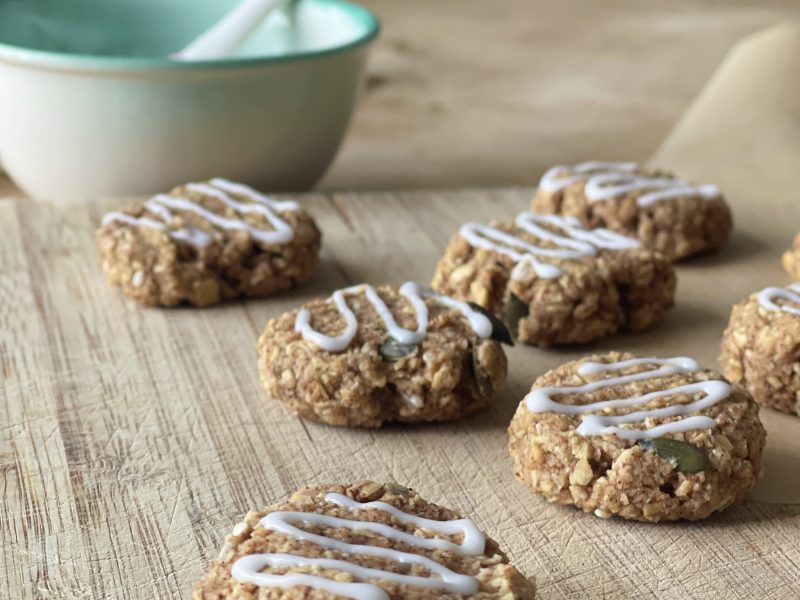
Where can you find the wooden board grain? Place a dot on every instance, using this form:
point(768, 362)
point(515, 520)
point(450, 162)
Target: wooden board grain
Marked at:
point(132, 439)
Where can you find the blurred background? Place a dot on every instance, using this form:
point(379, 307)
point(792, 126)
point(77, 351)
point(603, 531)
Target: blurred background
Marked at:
point(467, 93)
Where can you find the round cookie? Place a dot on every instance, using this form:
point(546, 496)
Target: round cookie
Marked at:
point(666, 213)
point(553, 281)
point(761, 347)
point(365, 541)
point(641, 438)
point(367, 356)
point(204, 243)
point(791, 259)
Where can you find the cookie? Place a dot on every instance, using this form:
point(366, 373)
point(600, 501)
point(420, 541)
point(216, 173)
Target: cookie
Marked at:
point(666, 213)
point(555, 282)
point(370, 355)
point(646, 439)
point(204, 243)
point(761, 347)
point(791, 259)
point(367, 541)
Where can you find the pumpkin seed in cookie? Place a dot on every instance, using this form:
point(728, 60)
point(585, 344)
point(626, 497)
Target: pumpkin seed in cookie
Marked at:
point(392, 350)
point(484, 384)
point(514, 310)
point(372, 491)
point(396, 489)
point(500, 332)
point(689, 457)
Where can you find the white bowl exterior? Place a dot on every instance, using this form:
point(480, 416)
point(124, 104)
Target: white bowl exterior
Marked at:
point(86, 134)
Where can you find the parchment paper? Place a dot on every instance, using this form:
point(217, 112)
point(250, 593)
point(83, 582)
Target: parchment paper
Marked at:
point(743, 133)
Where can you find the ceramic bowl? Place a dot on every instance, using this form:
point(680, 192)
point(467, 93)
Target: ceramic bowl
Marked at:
point(90, 105)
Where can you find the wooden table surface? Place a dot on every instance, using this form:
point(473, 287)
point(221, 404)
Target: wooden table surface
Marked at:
point(469, 93)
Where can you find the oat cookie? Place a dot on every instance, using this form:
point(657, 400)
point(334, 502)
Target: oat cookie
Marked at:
point(370, 355)
point(204, 243)
point(555, 282)
point(761, 347)
point(666, 213)
point(641, 438)
point(366, 541)
point(791, 259)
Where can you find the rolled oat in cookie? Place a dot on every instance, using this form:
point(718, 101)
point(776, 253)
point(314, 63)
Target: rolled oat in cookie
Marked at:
point(204, 243)
point(555, 282)
point(367, 541)
point(646, 439)
point(761, 347)
point(369, 355)
point(666, 213)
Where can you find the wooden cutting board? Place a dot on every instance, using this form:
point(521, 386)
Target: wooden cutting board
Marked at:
point(133, 439)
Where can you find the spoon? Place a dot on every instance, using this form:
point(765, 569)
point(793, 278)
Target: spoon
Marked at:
point(230, 32)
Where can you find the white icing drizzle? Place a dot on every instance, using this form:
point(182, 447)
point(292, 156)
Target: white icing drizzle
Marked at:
point(767, 296)
point(606, 180)
point(248, 568)
point(220, 189)
point(194, 236)
point(540, 400)
point(554, 178)
point(705, 191)
point(243, 190)
point(579, 238)
point(577, 242)
point(414, 293)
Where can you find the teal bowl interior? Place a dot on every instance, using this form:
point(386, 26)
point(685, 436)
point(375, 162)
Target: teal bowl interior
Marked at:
point(146, 32)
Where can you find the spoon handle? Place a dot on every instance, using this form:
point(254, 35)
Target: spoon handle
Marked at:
point(229, 33)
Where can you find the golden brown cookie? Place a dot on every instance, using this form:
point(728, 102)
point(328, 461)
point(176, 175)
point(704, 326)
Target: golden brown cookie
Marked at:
point(365, 541)
point(553, 281)
point(204, 243)
point(666, 213)
point(366, 356)
point(641, 438)
point(761, 347)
